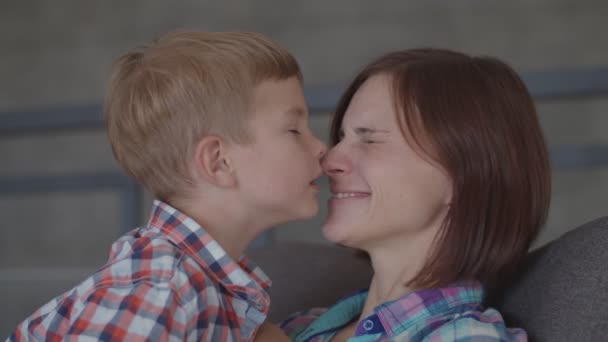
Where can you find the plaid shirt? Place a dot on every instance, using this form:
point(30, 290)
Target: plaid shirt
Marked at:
point(447, 314)
point(168, 280)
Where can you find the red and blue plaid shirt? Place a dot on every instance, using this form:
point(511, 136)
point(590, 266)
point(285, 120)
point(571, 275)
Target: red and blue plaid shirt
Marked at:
point(168, 280)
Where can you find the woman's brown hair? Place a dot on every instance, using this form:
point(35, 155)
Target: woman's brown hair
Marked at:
point(474, 117)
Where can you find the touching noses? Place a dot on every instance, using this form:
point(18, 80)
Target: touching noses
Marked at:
point(319, 148)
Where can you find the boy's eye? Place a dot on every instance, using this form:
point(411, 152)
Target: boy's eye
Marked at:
point(295, 131)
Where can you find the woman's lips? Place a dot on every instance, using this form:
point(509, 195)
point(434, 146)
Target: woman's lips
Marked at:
point(349, 195)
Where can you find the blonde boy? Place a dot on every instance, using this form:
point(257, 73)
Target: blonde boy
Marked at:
point(215, 126)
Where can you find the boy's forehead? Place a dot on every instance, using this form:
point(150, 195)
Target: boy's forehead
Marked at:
point(281, 114)
point(285, 92)
point(279, 100)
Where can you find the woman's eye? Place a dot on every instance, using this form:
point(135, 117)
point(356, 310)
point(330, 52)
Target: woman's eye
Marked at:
point(295, 131)
point(369, 141)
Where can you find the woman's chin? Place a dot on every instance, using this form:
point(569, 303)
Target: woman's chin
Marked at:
point(331, 233)
point(337, 234)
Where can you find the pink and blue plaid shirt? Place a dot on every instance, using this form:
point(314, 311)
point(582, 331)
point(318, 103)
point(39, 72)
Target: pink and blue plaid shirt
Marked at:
point(450, 314)
point(166, 281)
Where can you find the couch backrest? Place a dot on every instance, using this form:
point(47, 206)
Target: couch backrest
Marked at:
point(561, 294)
point(307, 275)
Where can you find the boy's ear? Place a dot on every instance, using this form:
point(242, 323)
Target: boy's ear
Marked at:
point(211, 162)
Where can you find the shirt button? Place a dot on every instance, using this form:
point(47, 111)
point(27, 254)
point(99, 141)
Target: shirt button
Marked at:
point(368, 325)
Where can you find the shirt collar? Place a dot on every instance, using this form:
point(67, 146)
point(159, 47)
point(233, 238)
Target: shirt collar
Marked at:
point(414, 309)
point(394, 317)
point(197, 243)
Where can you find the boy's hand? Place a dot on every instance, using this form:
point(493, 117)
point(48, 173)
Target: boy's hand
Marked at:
point(270, 332)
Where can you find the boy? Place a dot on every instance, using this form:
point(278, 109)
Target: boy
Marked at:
point(214, 125)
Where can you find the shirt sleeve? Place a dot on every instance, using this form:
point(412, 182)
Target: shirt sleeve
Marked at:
point(471, 329)
point(133, 312)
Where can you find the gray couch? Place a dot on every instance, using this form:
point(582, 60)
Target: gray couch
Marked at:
point(560, 294)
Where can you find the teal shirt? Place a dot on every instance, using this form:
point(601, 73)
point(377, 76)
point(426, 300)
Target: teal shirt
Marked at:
point(453, 313)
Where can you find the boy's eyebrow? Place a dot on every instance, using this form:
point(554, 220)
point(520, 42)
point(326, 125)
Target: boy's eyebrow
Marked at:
point(296, 111)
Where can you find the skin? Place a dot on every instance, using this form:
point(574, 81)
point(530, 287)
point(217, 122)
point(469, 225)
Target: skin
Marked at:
point(388, 198)
point(241, 190)
point(269, 332)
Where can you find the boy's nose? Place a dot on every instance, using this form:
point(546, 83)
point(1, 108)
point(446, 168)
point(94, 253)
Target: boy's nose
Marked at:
point(320, 148)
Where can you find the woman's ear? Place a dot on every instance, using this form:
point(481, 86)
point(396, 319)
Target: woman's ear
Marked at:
point(212, 162)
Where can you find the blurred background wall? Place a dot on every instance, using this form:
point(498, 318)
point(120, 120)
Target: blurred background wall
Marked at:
point(57, 54)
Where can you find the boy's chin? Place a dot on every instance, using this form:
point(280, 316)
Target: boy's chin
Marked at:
point(305, 213)
point(300, 212)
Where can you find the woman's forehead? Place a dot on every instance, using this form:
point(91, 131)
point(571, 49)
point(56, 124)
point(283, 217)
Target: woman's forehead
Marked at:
point(371, 105)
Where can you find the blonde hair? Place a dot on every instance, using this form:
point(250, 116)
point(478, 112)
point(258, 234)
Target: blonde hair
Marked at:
point(163, 98)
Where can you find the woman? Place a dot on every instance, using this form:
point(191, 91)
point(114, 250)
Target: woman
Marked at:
point(439, 172)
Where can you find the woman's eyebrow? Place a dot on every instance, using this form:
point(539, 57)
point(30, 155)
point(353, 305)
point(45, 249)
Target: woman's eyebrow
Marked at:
point(369, 131)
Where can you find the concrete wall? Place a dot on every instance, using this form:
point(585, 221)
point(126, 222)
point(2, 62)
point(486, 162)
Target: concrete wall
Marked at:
point(57, 53)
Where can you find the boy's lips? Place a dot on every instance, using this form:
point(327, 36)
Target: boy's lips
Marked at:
point(314, 185)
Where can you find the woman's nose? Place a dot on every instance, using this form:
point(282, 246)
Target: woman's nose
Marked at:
point(333, 163)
